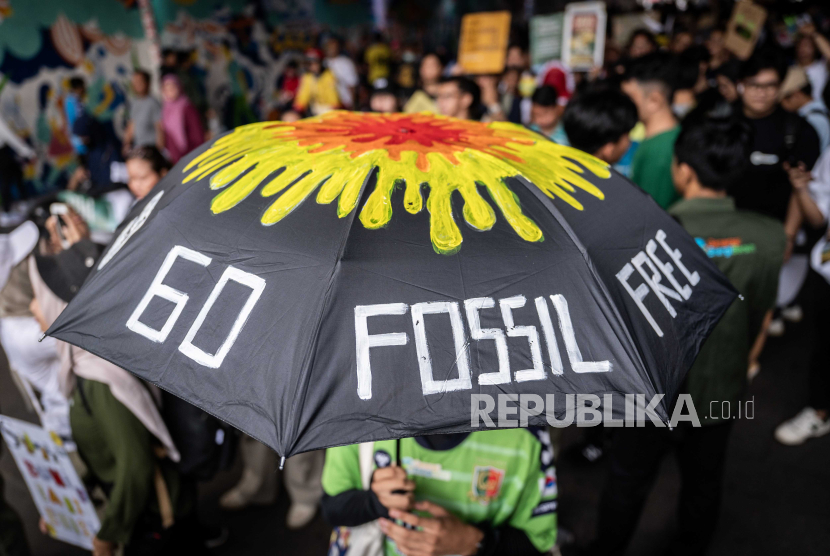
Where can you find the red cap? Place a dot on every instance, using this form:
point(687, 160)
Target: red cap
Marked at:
point(314, 54)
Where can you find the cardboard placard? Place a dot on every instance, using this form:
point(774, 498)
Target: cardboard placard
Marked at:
point(624, 25)
point(58, 493)
point(482, 47)
point(744, 28)
point(583, 46)
point(546, 38)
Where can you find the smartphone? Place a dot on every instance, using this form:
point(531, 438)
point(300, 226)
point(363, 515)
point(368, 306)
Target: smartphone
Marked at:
point(58, 210)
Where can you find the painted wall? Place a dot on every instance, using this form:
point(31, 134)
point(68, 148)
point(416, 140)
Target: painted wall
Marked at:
point(42, 45)
point(239, 49)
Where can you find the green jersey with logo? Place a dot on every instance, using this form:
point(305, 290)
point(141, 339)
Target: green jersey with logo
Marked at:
point(497, 477)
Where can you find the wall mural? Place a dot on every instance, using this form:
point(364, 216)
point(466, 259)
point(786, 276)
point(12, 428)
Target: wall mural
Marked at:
point(237, 49)
point(42, 45)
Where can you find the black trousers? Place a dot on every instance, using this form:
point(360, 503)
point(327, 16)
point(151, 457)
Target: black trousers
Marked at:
point(819, 397)
point(634, 456)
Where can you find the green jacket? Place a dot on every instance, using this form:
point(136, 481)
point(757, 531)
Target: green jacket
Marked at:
point(749, 249)
point(118, 450)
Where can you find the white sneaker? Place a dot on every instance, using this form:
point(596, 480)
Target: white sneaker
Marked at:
point(300, 515)
point(793, 313)
point(803, 426)
point(776, 328)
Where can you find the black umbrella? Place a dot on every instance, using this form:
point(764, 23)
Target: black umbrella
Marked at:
point(357, 277)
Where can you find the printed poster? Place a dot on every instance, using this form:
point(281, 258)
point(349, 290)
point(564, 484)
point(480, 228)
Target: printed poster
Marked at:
point(546, 38)
point(59, 494)
point(482, 47)
point(583, 46)
point(744, 28)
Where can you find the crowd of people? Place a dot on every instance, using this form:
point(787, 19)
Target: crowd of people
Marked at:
point(737, 151)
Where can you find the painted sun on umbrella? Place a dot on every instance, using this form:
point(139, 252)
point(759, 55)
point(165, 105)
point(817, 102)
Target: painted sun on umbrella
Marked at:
point(333, 154)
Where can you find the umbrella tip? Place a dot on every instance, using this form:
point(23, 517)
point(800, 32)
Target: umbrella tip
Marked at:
point(282, 462)
point(42, 336)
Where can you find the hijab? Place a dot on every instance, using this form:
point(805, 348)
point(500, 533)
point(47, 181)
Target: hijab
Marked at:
point(173, 116)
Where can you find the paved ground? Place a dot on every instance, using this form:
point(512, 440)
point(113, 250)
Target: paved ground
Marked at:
point(775, 497)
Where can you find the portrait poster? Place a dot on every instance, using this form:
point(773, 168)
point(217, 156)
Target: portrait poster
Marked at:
point(583, 46)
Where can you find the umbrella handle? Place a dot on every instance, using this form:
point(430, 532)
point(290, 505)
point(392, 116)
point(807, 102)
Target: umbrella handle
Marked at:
point(398, 462)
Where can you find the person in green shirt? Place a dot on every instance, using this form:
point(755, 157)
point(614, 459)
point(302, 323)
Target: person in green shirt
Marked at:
point(749, 249)
point(649, 81)
point(483, 493)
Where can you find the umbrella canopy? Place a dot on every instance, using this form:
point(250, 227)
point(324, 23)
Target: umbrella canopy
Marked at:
point(356, 277)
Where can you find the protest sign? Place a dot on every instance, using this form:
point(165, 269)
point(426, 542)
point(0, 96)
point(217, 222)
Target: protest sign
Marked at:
point(546, 38)
point(483, 44)
point(583, 46)
point(744, 28)
point(58, 493)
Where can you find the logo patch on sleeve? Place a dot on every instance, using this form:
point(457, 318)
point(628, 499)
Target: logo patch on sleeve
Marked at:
point(547, 484)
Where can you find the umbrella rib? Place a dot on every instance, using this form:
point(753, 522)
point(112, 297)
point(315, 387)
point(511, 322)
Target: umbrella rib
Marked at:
point(548, 204)
point(308, 358)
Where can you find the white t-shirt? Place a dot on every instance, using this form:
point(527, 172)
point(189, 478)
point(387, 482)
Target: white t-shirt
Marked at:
point(820, 184)
point(346, 74)
point(817, 74)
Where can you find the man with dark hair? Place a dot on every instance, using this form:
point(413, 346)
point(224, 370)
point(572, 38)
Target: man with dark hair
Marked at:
point(144, 127)
point(641, 43)
point(459, 97)
point(725, 77)
point(598, 122)
point(650, 81)
point(796, 96)
point(779, 137)
point(546, 113)
point(711, 154)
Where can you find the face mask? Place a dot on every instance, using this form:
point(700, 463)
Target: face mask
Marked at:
point(680, 110)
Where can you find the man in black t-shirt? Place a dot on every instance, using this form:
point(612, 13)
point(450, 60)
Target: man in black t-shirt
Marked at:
point(779, 137)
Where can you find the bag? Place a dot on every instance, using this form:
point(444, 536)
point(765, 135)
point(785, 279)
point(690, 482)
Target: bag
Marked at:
point(206, 444)
point(366, 539)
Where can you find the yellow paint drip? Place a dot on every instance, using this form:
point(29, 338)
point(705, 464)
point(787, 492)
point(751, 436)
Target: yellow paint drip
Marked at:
point(337, 152)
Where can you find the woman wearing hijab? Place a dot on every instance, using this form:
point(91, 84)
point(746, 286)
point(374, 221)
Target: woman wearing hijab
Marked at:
point(180, 121)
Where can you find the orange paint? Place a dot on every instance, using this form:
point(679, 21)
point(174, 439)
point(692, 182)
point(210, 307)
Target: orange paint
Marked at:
point(360, 133)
